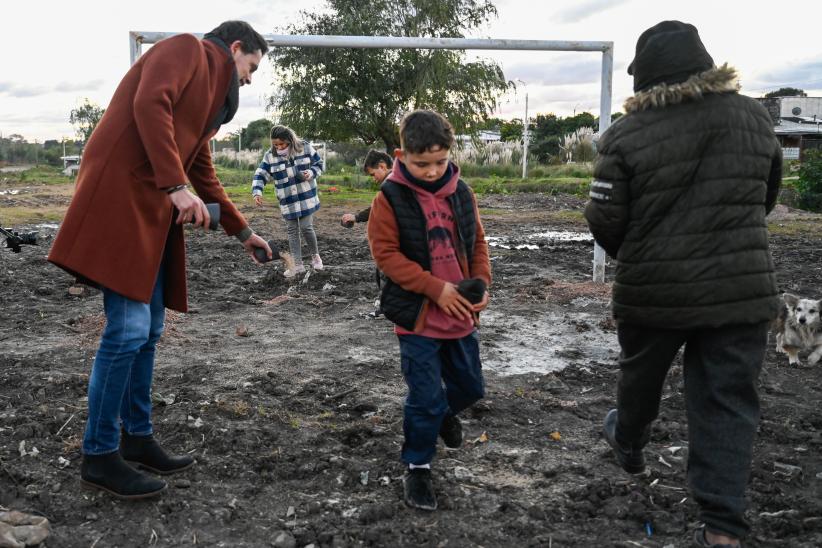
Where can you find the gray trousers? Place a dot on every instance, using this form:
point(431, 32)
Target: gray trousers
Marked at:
point(721, 368)
point(304, 226)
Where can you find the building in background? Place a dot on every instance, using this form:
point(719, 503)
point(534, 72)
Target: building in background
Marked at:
point(797, 123)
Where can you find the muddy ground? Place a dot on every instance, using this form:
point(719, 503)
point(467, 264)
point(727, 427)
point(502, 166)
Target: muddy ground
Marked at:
point(290, 396)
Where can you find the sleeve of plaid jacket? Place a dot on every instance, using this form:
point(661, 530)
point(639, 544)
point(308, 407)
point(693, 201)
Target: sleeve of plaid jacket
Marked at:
point(261, 177)
point(317, 165)
point(607, 211)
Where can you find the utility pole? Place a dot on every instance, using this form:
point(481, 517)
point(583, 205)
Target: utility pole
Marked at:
point(525, 133)
point(525, 140)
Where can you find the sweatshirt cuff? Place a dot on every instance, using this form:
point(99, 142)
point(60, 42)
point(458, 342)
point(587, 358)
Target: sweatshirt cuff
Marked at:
point(244, 234)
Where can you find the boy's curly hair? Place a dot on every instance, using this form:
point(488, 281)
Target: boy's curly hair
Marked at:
point(422, 130)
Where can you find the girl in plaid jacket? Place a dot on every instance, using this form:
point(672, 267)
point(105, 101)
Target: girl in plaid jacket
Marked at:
point(294, 166)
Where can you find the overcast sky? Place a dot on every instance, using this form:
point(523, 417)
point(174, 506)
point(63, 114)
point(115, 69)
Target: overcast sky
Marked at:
point(55, 53)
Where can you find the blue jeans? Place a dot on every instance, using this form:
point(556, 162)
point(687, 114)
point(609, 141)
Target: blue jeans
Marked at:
point(119, 388)
point(427, 364)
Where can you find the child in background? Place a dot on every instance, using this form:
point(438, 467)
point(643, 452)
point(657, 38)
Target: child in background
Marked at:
point(377, 165)
point(426, 236)
point(294, 166)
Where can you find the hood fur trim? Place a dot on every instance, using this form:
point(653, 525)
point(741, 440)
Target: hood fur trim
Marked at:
point(716, 80)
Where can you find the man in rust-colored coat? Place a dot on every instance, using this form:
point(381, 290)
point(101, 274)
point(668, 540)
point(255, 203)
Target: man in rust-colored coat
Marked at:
point(123, 232)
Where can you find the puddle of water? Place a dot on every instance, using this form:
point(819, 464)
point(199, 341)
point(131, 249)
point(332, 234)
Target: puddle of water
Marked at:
point(12, 192)
point(543, 343)
point(538, 239)
point(52, 226)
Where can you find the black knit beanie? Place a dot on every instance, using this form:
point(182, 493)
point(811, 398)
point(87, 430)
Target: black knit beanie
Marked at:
point(669, 52)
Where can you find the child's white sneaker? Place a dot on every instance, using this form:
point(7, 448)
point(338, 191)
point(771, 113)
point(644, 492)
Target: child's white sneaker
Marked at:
point(291, 272)
point(316, 262)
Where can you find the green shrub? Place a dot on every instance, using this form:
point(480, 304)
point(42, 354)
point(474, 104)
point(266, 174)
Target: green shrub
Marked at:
point(809, 185)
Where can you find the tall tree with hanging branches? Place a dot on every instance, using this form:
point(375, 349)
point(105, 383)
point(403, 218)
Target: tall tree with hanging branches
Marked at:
point(344, 93)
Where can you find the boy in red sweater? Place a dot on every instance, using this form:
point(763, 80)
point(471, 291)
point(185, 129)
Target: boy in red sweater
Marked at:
point(426, 237)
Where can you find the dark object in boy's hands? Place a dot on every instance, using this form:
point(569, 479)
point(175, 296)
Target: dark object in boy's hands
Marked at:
point(298, 174)
point(472, 289)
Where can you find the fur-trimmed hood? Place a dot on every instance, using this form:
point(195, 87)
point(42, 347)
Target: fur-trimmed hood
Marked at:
point(722, 79)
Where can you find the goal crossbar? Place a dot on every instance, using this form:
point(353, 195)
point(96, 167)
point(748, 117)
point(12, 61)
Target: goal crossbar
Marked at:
point(138, 38)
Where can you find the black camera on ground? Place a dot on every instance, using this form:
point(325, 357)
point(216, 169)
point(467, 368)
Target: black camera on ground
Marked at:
point(15, 239)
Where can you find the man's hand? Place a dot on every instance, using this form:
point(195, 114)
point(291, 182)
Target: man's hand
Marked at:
point(454, 304)
point(348, 220)
point(258, 199)
point(253, 242)
point(191, 208)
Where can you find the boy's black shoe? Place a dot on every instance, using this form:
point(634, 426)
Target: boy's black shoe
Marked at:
point(419, 489)
point(147, 453)
point(451, 432)
point(629, 456)
point(113, 475)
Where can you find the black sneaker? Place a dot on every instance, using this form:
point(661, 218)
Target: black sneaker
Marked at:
point(451, 432)
point(630, 456)
point(419, 489)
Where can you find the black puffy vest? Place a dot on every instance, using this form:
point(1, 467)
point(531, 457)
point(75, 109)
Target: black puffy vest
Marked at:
point(404, 307)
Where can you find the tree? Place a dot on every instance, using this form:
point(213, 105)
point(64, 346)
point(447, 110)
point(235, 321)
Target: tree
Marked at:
point(809, 184)
point(786, 92)
point(85, 118)
point(256, 134)
point(343, 93)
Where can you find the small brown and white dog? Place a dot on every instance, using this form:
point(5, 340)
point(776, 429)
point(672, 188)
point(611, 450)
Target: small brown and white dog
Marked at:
point(798, 327)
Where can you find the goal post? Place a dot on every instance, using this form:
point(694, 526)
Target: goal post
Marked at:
point(138, 38)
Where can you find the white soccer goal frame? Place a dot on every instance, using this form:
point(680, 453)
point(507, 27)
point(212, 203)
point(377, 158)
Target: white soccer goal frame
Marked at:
point(138, 38)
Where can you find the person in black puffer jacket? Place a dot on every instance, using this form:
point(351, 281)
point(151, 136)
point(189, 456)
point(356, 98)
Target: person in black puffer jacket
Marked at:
point(681, 188)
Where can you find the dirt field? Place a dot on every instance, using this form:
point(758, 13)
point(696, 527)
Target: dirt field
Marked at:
point(290, 397)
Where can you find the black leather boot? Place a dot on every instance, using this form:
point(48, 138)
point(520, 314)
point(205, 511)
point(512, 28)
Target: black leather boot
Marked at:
point(145, 452)
point(113, 475)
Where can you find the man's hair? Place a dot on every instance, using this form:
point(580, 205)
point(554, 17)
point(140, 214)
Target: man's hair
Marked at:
point(285, 133)
point(422, 130)
point(250, 39)
point(373, 159)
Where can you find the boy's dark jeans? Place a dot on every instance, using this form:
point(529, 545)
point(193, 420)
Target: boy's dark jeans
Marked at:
point(427, 364)
point(721, 368)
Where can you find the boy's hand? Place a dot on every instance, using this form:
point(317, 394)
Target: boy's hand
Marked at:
point(483, 304)
point(453, 303)
point(307, 175)
point(258, 199)
point(348, 220)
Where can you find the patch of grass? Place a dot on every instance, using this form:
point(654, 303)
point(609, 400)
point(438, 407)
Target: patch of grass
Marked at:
point(571, 215)
point(14, 216)
point(801, 227)
point(492, 211)
point(560, 185)
point(41, 175)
